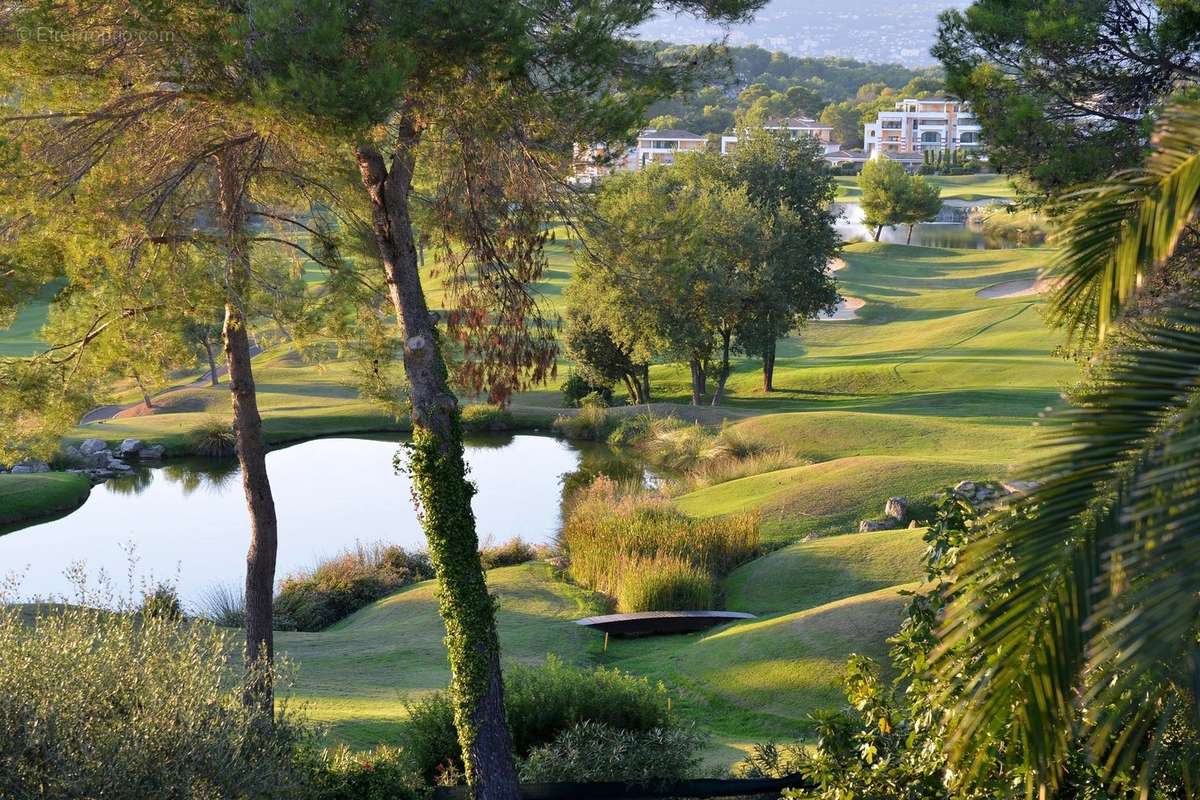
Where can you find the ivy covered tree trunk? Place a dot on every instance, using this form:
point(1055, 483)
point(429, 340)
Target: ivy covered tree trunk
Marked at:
point(438, 472)
point(768, 366)
point(251, 450)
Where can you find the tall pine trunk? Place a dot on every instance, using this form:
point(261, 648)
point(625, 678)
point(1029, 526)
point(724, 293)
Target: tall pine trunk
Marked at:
point(878, 231)
point(247, 427)
point(439, 480)
point(909, 239)
point(768, 367)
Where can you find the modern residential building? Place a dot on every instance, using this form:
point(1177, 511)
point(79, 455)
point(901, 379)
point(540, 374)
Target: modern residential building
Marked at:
point(917, 125)
point(654, 146)
point(796, 127)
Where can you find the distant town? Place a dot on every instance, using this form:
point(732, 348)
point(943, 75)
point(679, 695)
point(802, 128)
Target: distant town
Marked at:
point(890, 32)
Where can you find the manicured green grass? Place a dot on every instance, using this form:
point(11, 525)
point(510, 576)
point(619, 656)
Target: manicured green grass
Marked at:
point(356, 675)
point(957, 187)
point(22, 337)
point(28, 497)
point(809, 574)
point(829, 497)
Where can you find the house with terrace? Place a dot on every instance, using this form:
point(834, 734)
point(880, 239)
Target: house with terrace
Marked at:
point(916, 125)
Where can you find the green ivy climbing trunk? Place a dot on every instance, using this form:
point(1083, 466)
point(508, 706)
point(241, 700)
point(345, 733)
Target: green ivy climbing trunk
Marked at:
point(247, 427)
point(438, 473)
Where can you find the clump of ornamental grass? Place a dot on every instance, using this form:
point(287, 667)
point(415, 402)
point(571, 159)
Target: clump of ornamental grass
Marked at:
point(213, 438)
point(615, 533)
point(664, 583)
point(590, 423)
point(695, 456)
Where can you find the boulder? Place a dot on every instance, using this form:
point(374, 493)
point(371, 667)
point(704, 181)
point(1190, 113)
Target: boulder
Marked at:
point(27, 467)
point(153, 452)
point(872, 525)
point(91, 447)
point(913, 524)
point(1019, 487)
point(896, 508)
point(130, 448)
point(965, 488)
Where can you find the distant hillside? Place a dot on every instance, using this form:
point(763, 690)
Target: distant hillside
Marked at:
point(898, 31)
point(753, 84)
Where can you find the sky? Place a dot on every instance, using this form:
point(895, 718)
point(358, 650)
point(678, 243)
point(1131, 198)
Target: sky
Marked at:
point(890, 31)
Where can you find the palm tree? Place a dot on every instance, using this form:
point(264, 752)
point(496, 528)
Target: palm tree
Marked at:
point(1074, 619)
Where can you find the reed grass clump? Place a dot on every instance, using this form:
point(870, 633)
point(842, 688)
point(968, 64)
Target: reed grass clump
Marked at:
point(213, 438)
point(616, 534)
point(590, 423)
point(664, 583)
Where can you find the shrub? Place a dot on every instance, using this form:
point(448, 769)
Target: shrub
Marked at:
point(589, 423)
point(631, 430)
point(608, 530)
point(213, 438)
point(593, 751)
point(384, 773)
point(514, 551)
point(576, 391)
point(162, 601)
point(336, 588)
point(664, 583)
point(117, 705)
point(485, 418)
point(540, 703)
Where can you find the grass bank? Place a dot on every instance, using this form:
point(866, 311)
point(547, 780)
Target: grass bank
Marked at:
point(25, 498)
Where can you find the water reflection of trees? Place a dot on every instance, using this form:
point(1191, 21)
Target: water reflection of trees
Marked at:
point(134, 482)
point(211, 473)
point(599, 460)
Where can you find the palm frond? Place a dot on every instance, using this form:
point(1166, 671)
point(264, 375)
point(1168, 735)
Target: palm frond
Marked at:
point(1080, 604)
point(1118, 229)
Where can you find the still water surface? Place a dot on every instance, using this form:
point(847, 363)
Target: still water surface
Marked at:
point(186, 521)
point(926, 234)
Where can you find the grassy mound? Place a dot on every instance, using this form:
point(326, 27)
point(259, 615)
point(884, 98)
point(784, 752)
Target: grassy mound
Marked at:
point(762, 678)
point(28, 497)
point(356, 675)
point(829, 497)
point(809, 574)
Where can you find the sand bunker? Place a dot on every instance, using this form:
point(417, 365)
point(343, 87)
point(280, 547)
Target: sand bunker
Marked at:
point(1022, 288)
point(847, 309)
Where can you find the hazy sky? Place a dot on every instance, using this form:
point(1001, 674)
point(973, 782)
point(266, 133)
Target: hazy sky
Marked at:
point(869, 30)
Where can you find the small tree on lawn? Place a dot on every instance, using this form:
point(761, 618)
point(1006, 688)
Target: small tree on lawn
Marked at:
point(921, 202)
point(884, 186)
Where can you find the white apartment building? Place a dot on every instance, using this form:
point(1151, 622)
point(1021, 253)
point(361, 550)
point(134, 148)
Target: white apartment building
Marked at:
point(931, 123)
point(654, 146)
point(796, 127)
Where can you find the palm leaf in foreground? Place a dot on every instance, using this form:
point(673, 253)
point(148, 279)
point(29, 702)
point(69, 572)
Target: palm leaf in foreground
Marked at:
point(1117, 229)
point(1076, 615)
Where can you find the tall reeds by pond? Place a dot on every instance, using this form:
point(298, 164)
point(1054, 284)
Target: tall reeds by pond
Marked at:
point(695, 456)
point(637, 548)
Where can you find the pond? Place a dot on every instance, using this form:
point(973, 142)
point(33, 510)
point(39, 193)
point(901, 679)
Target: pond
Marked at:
point(186, 521)
point(959, 235)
